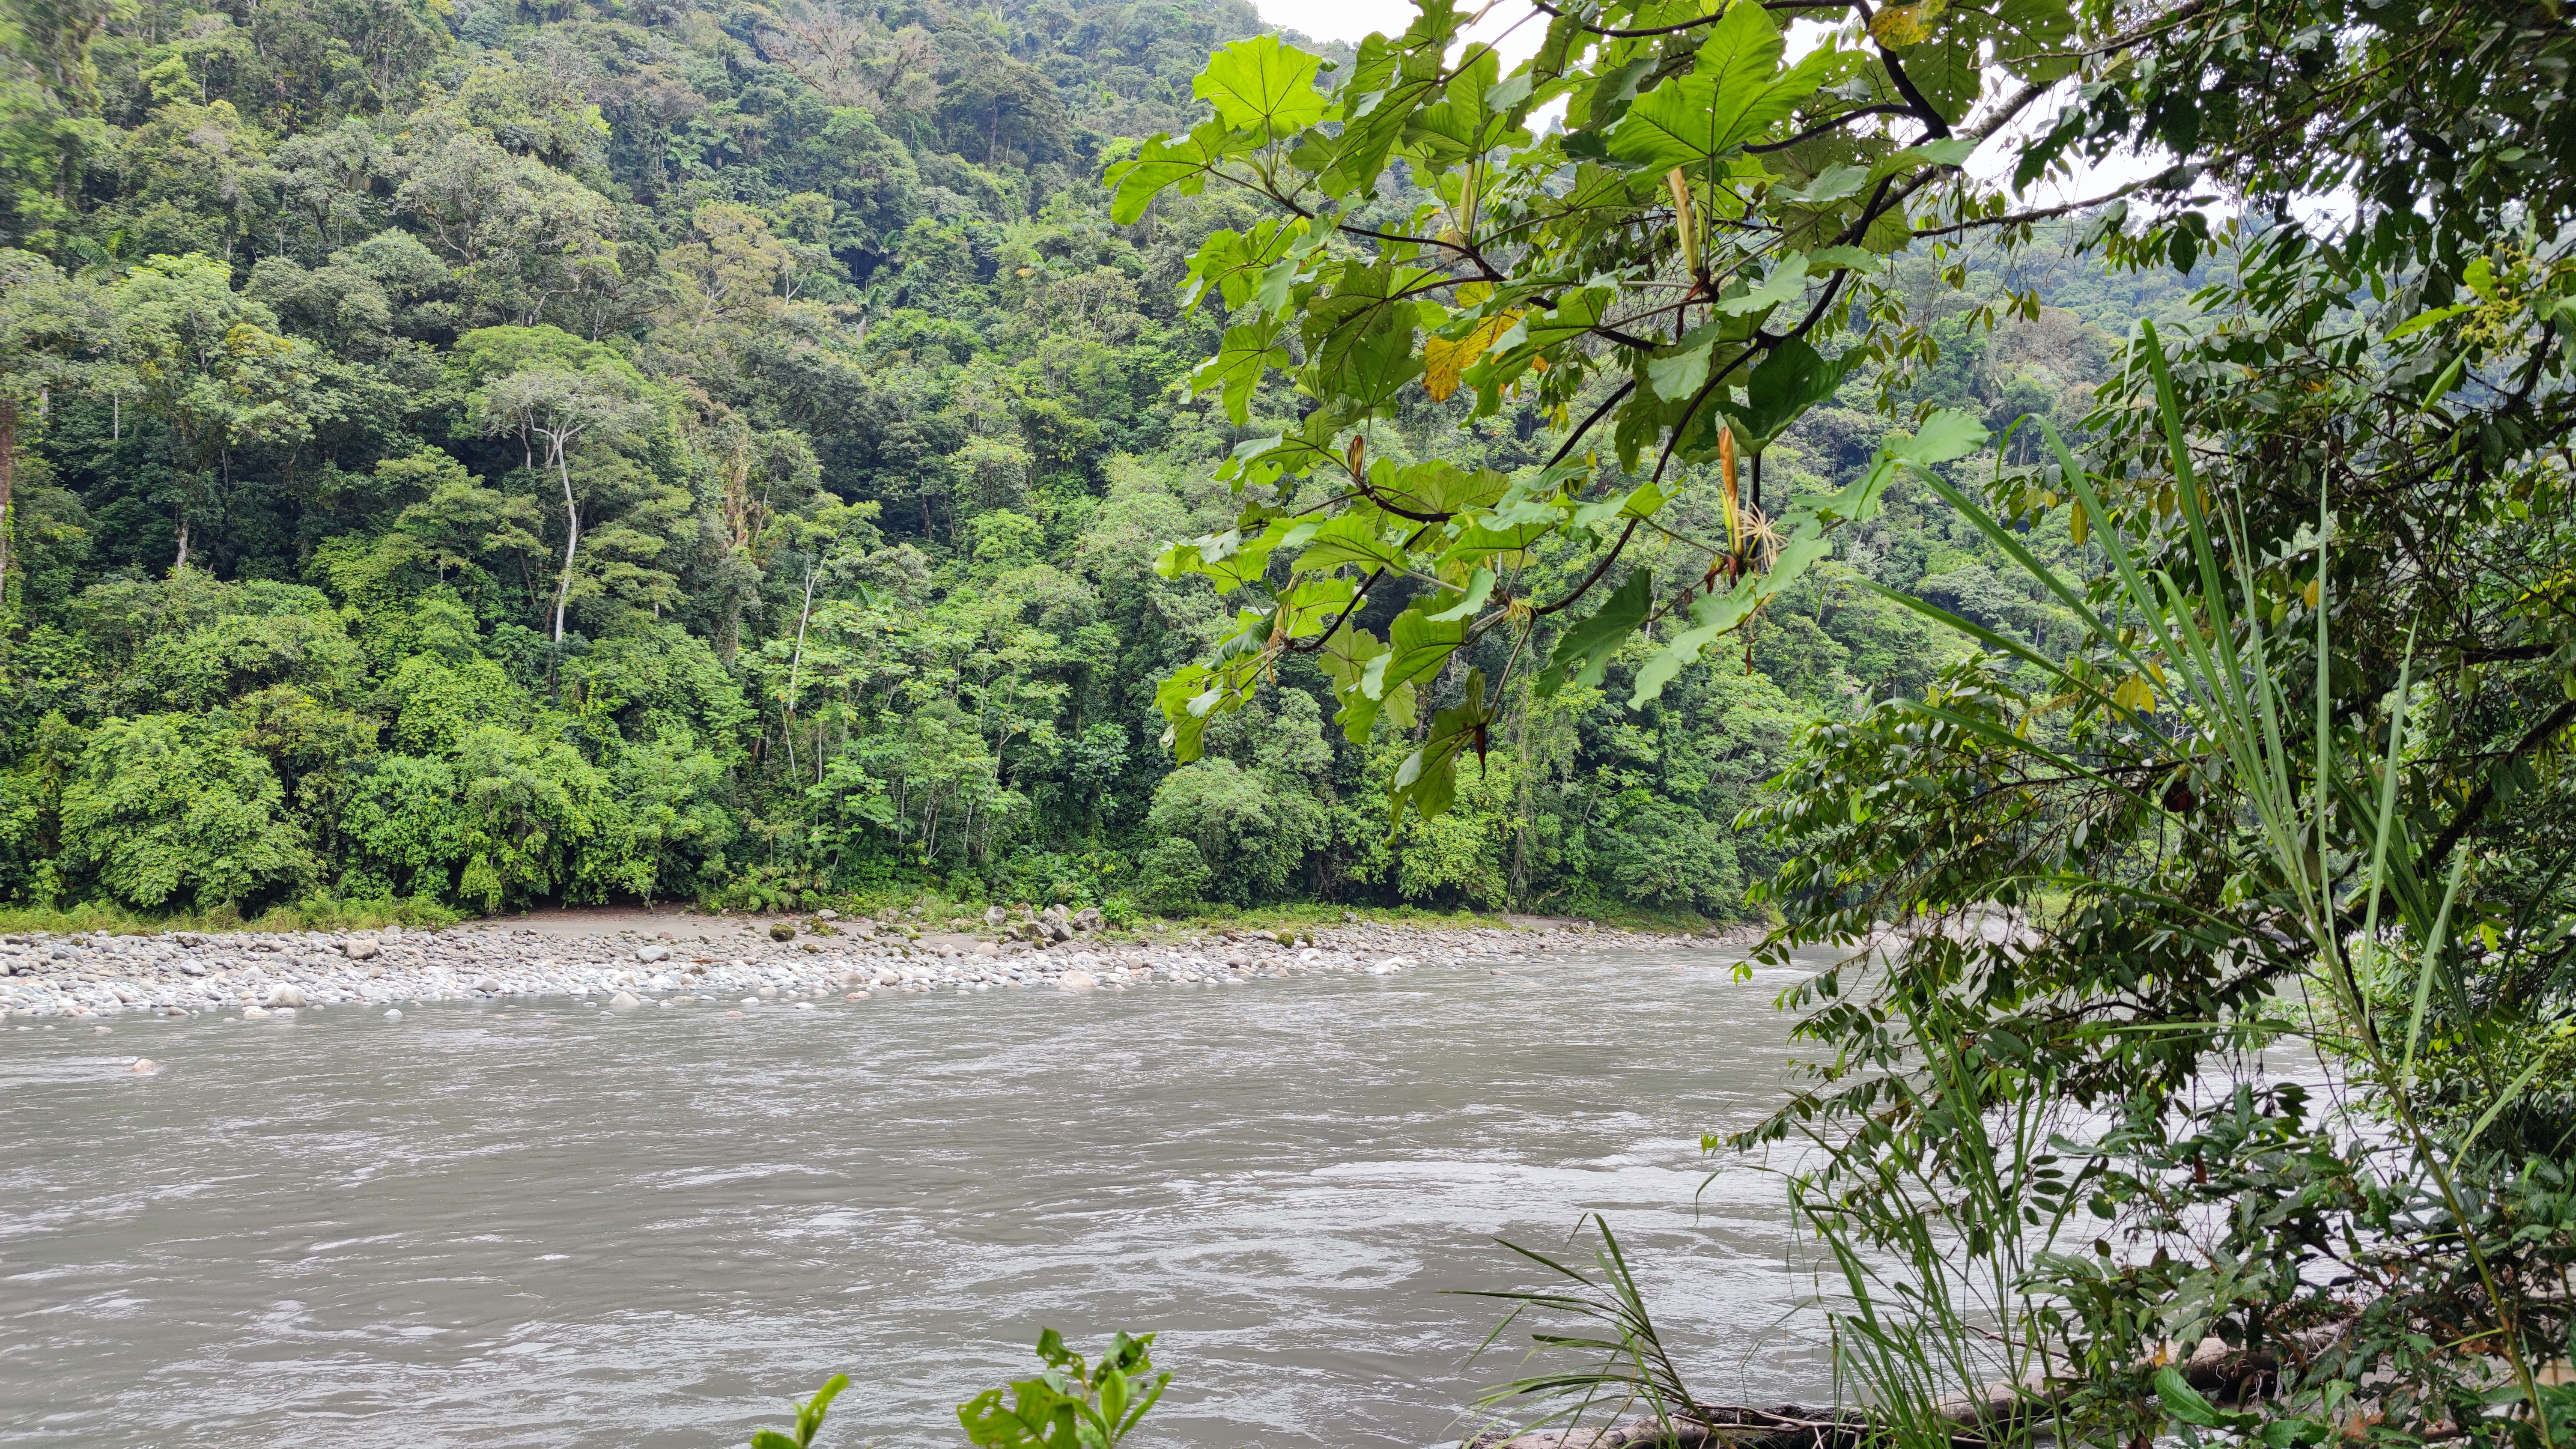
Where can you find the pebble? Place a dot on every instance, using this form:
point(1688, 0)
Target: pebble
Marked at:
point(144, 1067)
point(85, 980)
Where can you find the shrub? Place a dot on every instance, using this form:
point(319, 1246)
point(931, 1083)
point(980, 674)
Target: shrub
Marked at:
point(675, 801)
point(1251, 834)
point(1171, 877)
point(407, 826)
point(174, 810)
point(540, 820)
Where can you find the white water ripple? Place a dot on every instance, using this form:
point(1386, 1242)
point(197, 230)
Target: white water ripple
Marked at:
point(471, 1228)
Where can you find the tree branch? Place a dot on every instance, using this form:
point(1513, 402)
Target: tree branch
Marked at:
point(1883, 108)
point(2042, 214)
point(1594, 577)
point(2483, 796)
point(1935, 127)
point(1576, 436)
point(1648, 32)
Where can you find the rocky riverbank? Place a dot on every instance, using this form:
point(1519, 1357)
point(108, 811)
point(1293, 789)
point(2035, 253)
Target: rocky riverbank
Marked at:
point(728, 962)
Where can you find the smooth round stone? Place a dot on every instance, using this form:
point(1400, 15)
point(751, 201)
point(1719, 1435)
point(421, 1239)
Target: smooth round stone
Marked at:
point(393, 1013)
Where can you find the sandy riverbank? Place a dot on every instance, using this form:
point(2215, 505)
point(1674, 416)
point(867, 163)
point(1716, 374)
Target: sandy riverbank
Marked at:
point(635, 959)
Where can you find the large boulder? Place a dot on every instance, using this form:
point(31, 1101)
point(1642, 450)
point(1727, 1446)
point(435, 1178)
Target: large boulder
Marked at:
point(1090, 919)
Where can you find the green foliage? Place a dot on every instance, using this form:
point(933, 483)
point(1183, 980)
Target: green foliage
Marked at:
point(1705, 209)
point(539, 820)
point(406, 835)
point(1069, 1405)
point(1627, 1366)
point(2219, 824)
point(1172, 877)
point(809, 1418)
point(176, 810)
point(733, 466)
point(1250, 835)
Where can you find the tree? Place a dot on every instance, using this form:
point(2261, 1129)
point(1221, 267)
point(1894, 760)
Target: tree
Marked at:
point(2298, 780)
point(525, 238)
point(767, 228)
point(209, 360)
point(2261, 736)
point(48, 101)
point(50, 327)
point(1250, 828)
point(1664, 268)
point(177, 809)
point(564, 408)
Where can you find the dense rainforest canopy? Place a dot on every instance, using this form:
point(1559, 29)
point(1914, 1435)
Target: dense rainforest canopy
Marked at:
point(486, 454)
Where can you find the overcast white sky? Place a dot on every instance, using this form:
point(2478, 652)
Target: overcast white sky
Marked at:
point(1352, 19)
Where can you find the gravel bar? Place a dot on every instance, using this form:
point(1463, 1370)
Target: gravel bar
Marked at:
point(728, 962)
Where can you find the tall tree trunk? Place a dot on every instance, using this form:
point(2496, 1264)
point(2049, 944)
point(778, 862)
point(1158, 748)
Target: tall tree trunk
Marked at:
point(8, 481)
point(796, 663)
point(180, 565)
point(572, 538)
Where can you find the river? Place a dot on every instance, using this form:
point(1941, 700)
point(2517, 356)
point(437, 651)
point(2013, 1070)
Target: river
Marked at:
point(544, 1225)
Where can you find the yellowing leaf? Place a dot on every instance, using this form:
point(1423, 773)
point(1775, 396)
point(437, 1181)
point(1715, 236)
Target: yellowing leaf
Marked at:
point(2135, 695)
point(1899, 26)
point(1443, 360)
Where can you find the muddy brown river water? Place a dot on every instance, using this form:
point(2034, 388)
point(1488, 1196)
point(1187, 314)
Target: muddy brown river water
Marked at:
point(538, 1225)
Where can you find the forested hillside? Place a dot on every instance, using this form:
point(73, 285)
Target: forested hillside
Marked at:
point(489, 454)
